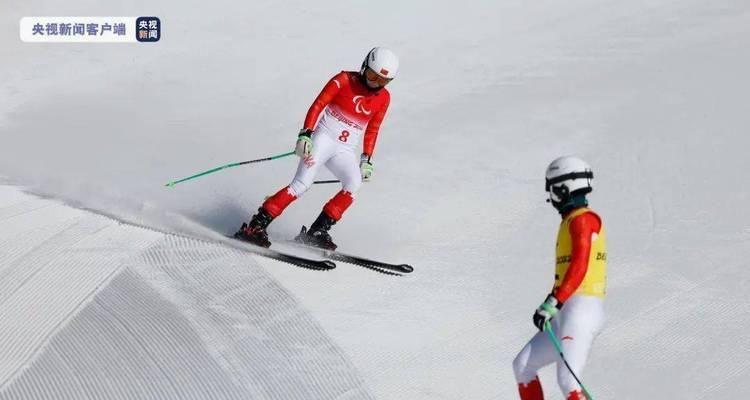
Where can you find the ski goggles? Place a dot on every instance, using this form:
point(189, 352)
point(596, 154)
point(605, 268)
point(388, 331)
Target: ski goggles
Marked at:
point(373, 76)
point(571, 176)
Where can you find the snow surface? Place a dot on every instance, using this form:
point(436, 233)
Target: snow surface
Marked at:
point(653, 93)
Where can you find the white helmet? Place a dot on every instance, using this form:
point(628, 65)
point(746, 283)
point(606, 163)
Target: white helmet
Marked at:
point(382, 61)
point(567, 176)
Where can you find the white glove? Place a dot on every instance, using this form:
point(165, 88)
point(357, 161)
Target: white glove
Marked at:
point(304, 145)
point(365, 167)
point(546, 311)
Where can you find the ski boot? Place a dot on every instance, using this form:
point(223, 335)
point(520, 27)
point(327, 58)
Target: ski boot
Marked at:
point(255, 230)
point(318, 235)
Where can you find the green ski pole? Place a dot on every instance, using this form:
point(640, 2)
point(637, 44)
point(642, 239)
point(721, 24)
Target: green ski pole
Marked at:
point(558, 346)
point(237, 164)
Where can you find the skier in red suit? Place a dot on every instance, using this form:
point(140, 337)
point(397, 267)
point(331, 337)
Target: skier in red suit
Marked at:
point(353, 105)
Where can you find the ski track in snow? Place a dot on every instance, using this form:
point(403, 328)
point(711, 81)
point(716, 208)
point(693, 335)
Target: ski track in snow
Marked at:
point(102, 309)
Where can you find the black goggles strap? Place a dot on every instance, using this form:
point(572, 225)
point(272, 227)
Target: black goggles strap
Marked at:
point(572, 175)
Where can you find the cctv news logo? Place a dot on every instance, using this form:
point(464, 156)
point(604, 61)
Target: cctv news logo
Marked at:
point(90, 29)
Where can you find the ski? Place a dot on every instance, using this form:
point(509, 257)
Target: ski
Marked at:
point(379, 266)
point(302, 262)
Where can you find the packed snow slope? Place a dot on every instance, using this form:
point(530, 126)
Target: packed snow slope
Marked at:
point(653, 93)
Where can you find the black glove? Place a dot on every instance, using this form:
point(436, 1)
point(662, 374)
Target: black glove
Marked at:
point(546, 311)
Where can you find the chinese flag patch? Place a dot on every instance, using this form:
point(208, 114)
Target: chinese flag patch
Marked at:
point(383, 71)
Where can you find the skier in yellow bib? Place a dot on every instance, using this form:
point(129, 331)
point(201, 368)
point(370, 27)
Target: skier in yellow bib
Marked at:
point(575, 307)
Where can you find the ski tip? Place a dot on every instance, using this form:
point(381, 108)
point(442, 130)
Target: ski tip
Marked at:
point(406, 268)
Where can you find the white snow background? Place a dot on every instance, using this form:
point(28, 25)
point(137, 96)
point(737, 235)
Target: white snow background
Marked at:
point(653, 93)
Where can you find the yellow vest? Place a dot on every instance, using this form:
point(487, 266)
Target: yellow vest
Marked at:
point(595, 281)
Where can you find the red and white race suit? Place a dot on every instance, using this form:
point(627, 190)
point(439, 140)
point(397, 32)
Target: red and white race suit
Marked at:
point(350, 111)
